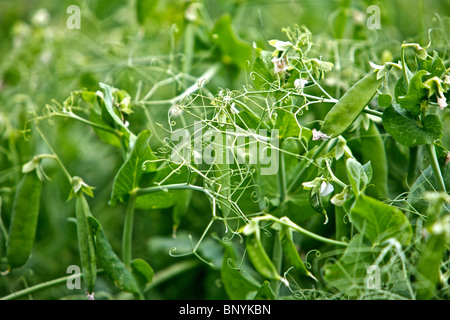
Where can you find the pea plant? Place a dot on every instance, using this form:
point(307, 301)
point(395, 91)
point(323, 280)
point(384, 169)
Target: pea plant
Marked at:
point(297, 207)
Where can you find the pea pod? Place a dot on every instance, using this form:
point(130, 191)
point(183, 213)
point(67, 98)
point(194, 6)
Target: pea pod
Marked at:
point(257, 254)
point(113, 267)
point(350, 105)
point(373, 150)
point(85, 242)
point(25, 213)
point(290, 251)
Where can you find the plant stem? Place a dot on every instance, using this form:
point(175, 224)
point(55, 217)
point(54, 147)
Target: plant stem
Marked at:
point(411, 176)
point(38, 287)
point(287, 222)
point(66, 172)
point(435, 166)
point(373, 112)
point(282, 179)
point(128, 231)
point(170, 272)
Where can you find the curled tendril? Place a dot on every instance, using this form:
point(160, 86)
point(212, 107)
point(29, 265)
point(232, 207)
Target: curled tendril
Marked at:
point(318, 253)
point(229, 261)
point(255, 196)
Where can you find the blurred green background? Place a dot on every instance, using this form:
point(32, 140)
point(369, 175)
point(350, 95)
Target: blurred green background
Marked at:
point(41, 60)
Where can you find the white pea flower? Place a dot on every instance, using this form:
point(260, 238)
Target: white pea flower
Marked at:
point(442, 101)
point(299, 84)
point(279, 64)
point(98, 93)
point(326, 188)
point(317, 135)
point(175, 110)
point(280, 45)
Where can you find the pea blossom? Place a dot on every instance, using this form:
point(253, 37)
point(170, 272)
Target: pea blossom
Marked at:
point(317, 135)
point(280, 64)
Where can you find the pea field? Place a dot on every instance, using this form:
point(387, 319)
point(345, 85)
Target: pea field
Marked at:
point(224, 150)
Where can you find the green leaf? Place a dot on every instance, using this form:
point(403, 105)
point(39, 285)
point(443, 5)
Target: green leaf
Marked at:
point(128, 176)
point(109, 104)
point(400, 89)
point(144, 10)
point(358, 175)
point(265, 292)
point(434, 66)
point(408, 131)
point(142, 272)
point(287, 125)
point(262, 70)
point(378, 222)
point(384, 100)
point(233, 50)
point(417, 92)
point(164, 198)
point(237, 282)
point(348, 274)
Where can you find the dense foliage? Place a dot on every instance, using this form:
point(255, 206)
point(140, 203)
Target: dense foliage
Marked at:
point(224, 149)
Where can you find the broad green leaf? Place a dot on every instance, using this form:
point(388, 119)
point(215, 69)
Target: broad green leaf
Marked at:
point(181, 206)
point(233, 50)
point(142, 272)
point(262, 70)
point(348, 274)
point(129, 175)
point(144, 10)
point(264, 292)
point(384, 100)
point(407, 131)
point(400, 89)
point(287, 125)
point(378, 222)
point(238, 284)
point(162, 198)
point(109, 104)
point(434, 66)
point(417, 91)
point(105, 136)
point(358, 175)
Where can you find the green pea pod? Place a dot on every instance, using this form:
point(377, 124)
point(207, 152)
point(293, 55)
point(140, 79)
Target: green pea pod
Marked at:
point(85, 242)
point(291, 253)
point(24, 220)
point(258, 255)
point(350, 105)
point(373, 150)
point(113, 267)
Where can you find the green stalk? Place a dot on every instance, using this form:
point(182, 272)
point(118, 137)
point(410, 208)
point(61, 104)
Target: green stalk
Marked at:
point(411, 176)
point(128, 231)
point(435, 166)
point(282, 179)
point(41, 286)
point(277, 257)
point(299, 229)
